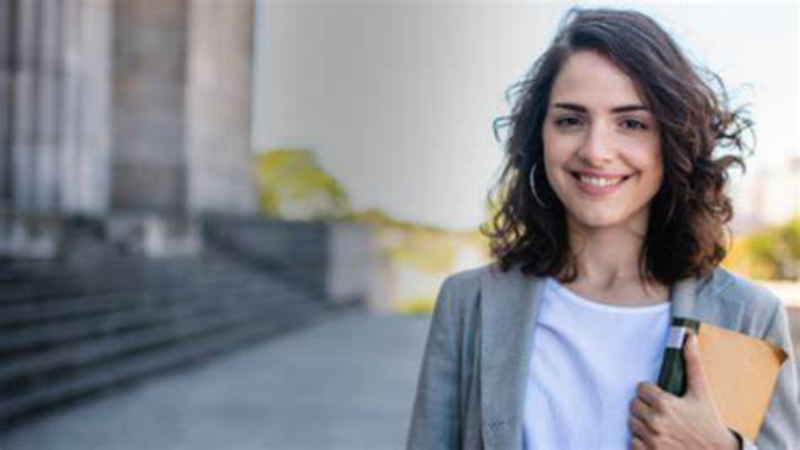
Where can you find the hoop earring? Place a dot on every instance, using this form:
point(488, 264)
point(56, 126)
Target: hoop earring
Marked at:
point(532, 182)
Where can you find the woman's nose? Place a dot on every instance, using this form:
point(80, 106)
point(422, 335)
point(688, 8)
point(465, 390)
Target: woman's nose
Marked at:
point(599, 146)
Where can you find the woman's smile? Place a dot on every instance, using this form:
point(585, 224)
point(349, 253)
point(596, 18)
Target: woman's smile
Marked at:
point(600, 186)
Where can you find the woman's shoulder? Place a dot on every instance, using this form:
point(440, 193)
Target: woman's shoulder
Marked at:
point(760, 307)
point(466, 283)
point(472, 281)
point(751, 292)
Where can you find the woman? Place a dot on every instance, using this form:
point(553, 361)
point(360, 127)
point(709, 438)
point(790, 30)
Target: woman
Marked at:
point(611, 221)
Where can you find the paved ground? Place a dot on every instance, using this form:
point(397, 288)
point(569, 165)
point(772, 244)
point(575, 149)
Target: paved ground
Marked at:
point(343, 384)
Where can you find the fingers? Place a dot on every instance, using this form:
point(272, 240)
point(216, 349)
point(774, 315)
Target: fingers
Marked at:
point(644, 414)
point(694, 367)
point(649, 410)
point(638, 443)
point(653, 396)
point(640, 409)
point(640, 433)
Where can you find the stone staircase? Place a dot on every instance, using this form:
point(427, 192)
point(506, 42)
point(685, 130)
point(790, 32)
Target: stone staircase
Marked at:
point(75, 327)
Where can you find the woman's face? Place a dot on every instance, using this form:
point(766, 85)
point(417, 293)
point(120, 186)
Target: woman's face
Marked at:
point(602, 149)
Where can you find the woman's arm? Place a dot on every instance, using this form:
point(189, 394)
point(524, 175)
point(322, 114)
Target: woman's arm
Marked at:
point(435, 420)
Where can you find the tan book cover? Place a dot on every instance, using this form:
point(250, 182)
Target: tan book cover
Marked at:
point(742, 372)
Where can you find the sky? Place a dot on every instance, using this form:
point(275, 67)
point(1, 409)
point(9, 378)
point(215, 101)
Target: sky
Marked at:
point(397, 98)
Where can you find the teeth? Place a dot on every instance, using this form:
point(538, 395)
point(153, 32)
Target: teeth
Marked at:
point(601, 182)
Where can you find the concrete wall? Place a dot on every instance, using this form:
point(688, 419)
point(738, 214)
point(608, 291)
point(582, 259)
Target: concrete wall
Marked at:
point(355, 268)
point(396, 98)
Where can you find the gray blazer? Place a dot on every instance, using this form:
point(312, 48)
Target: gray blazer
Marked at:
point(470, 392)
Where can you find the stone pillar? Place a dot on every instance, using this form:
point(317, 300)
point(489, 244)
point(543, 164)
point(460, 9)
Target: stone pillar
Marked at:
point(7, 64)
point(220, 172)
point(54, 105)
point(23, 102)
point(86, 115)
point(149, 76)
point(175, 102)
point(182, 107)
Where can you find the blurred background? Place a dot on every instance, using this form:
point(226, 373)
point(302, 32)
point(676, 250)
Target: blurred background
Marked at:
point(223, 223)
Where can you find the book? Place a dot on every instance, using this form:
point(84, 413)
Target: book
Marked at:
point(741, 371)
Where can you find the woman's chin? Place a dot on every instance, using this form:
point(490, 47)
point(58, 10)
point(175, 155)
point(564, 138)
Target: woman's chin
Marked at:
point(597, 219)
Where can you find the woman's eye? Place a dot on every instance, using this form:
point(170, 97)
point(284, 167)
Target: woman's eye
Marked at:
point(565, 122)
point(633, 124)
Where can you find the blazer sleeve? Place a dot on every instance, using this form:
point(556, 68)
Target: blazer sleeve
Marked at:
point(781, 426)
point(435, 417)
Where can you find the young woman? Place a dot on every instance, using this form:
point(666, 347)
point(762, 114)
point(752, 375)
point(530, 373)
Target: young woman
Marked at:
point(611, 222)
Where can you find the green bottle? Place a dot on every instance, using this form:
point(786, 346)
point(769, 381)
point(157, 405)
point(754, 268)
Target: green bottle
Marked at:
point(672, 377)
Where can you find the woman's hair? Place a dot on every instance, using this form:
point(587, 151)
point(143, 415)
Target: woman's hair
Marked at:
point(686, 235)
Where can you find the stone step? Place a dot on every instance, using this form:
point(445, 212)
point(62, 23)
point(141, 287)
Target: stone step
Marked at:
point(68, 282)
point(164, 310)
point(22, 271)
point(77, 354)
point(78, 326)
point(251, 328)
point(16, 315)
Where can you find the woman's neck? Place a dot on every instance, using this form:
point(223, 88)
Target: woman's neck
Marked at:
point(607, 263)
point(606, 256)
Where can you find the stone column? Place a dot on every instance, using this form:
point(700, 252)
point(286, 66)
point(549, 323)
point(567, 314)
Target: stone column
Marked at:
point(149, 76)
point(21, 125)
point(54, 103)
point(181, 119)
point(182, 107)
point(220, 172)
point(86, 115)
point(7, 63)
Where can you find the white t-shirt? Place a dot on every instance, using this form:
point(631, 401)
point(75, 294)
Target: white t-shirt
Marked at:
point(587, 359)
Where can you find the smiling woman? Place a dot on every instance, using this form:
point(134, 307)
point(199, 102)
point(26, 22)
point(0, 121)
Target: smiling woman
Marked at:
point(604, 99)
point(612, 222)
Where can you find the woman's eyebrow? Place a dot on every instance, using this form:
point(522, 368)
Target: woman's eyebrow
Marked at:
point(618, 109)
point(628, 108)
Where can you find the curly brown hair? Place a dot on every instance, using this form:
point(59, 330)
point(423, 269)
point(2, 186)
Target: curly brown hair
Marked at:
point(691, 209)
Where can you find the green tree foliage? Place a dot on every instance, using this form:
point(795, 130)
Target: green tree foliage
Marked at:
point(292, 185)
point(426, 248)
point(376, 217)
point(773, 253)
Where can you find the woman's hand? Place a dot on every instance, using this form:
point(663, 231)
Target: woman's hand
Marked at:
point(660, 420)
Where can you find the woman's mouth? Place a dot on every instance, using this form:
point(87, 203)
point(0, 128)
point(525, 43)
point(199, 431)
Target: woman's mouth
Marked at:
point(599, 185)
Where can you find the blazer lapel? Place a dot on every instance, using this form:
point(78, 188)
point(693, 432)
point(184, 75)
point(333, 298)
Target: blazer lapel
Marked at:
point(509, 308)
point(699, 299)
